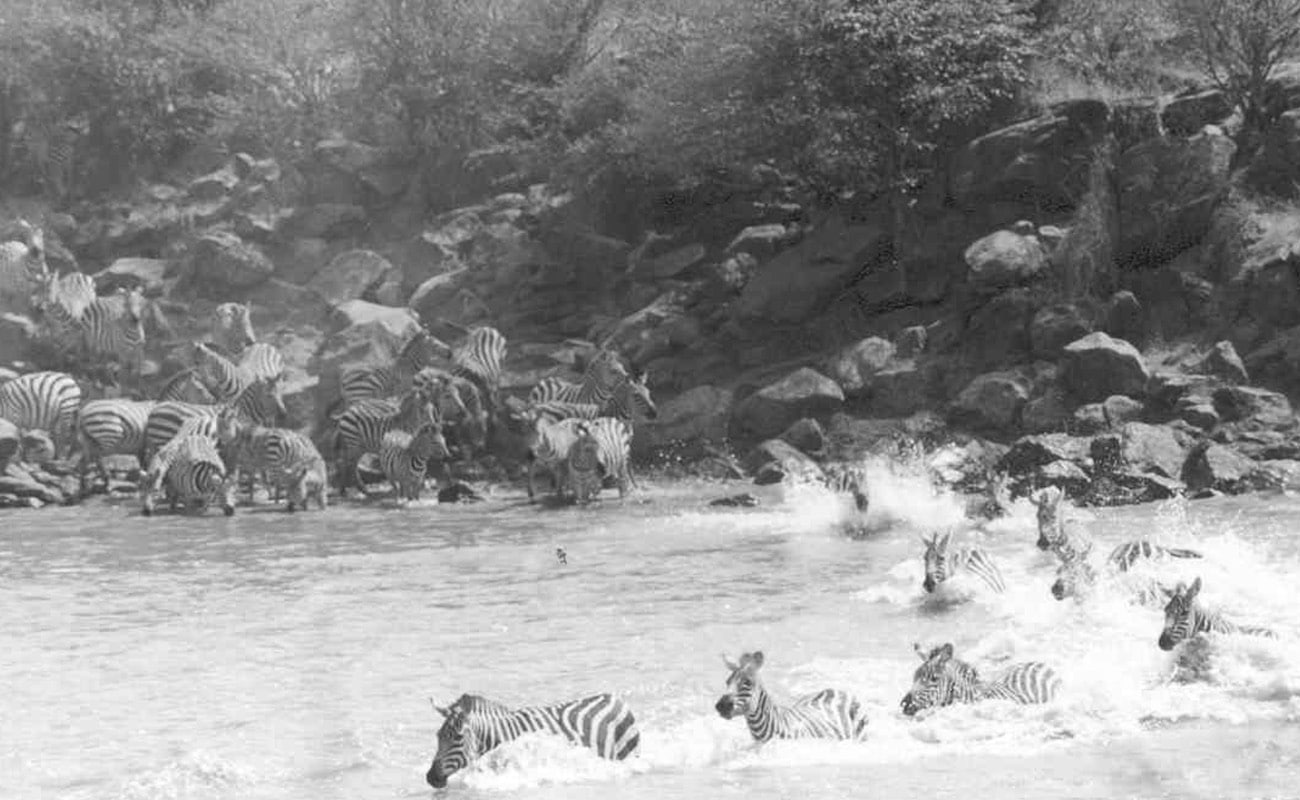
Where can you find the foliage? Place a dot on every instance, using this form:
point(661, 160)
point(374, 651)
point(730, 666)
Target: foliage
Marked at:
point(1083, 262)
point(1112, 44)
point(1239, 43)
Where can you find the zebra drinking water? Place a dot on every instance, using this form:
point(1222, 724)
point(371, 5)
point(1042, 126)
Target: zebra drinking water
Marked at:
point(942, 680)
point(1185, 618)
point(828, 714)
point(943, 562)
point(474, 725)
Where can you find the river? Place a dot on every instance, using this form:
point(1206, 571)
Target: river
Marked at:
point(272, 656)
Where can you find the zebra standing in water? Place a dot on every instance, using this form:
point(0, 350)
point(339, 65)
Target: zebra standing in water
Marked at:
point(258, 403)
point(1185, 618)
point(47, 401)
point(606, 384)
point(420, 351)
point(602, 451)
point(361, 429)
point(22, 268)
point(283, 457)
point(191, 470)
point(828, 714)
point(943, 562)
point(942, 680)
point(405, 457)
point(474, 725)
point(548, 448)
point(110, 427)
point(582, 464)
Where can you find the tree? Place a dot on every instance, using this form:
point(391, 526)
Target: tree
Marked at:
point(1240, 43)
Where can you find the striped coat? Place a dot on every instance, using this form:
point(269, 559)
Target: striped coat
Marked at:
point(942, 680)
point(190, 470)
point(61, 301)
point(1185, 618)
point(942, 562)
point(828, 714)
point(360, 382)
point(405, 458)
point(474, 726)
point(111, 427)
point(602, 452)
point(113, 327)
point(549, 444)
point(361, 428)
point(48, 401)
point(280, 455)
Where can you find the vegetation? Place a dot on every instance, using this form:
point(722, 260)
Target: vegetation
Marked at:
point(845, 95)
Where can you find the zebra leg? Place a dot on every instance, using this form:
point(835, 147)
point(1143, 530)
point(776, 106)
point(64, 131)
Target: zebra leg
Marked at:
point(532, 477)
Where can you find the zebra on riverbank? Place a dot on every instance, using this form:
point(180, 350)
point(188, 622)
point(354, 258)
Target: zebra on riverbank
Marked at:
point(605, 384)
point(828, 714)
point(1185, 618)
point(474, 725)
point(943, 562)
point(942, 680)
point(47, 401)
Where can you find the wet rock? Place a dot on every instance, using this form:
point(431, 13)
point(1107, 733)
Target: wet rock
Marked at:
point(1254, 408)
point(350, 274)
point(327, 221)
point(1222, 362)
point(1054, 327)
point(1004, 259)
point(1046, 413)
point(1120, 409)
point(1098, 366)
point(770, 410)
point(1213, 466)
point(1129, 487)
point(459, 492)
point(805, 434)
point(1065, 474)
point(700, 414)
point(854, 366)
point(224, 262)
point(1028, 453)
point(992, 401)
point(744, 500)
point(1153, 448)
point(911, 341)
point(774, 461)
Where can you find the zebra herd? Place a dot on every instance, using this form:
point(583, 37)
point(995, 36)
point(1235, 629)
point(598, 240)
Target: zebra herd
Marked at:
point(603, 723)
point(433, 407)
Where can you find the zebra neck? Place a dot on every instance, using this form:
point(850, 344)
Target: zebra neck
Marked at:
point(497, 729)
point(967, 686)
point(1210, 622)
point(760, 713)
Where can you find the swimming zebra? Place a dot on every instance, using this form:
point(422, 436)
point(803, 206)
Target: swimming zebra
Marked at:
point(60, 302)
point(110, 427)
point(828, 714)
point(420, 351)
point(113, 327)
point(22, 267)
point(191, 470)
point(1053, 535)
point(1185, 618)
point(47, 401)
point(942, 562)
point(848, 479)
point(405, 457)
point(50, 147)
point(479, 357)
point(548, 448)
point(474, 725)
point(613, 440)
point(606, 384)
point(943, 680)
point(360, 429)
point(1077, 576)
point(1126, 555)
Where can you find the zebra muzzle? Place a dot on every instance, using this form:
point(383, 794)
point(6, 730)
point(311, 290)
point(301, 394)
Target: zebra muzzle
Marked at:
point(908, 705)
point(928, 584)
point(435, 778)
point(726, 707)
point(1166, 642)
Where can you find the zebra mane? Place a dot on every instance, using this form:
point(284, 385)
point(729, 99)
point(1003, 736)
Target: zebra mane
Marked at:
point(475, 703)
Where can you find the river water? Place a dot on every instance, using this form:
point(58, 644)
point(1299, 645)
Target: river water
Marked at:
point(276, 656)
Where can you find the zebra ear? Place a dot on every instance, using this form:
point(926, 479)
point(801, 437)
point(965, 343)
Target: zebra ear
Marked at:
point(920, 651)
point(943, 542)
point(756, 658)
point(945, 652)
point(1194, 588)
point(445, 712)
point(731, 665)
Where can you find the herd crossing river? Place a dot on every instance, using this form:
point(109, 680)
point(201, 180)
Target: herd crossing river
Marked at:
point(267, 656)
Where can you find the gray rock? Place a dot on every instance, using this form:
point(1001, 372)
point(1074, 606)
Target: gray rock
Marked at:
point(805, 434)
point(1198, 411)
point(1153, 448)
point(1222, 362)
point(327, 221)
point(1098, 366)
point(1090, 418)
point(698, 414)
point(1028, 453)
point(1047, 413)
point(770, 410)
point(1254, 408)
point(1004, 259)
point(1120, 409)
point(222, 260)
point(1213, 466)
point(760, 241)
point(775, 461)
point(128, 273)
point(910, 342)
point(1054, 327)
point(854, 366)
point(992, 401)
point(350, 274)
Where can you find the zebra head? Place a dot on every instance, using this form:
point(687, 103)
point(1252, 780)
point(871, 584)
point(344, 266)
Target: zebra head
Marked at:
point(633, 396)
point(458, 743)
point(1074, 578)
point(743, 687)
point(424, 349)
point(933, 682)
point(1180, 615)
point(1048, 501)
point(429, 444)
point(936, 560)
point(233, 326)
point(35, 241)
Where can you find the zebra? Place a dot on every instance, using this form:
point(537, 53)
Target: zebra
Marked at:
point(51, 147)
point(283, 457)
point(556, 410)
point(1185, 618)
point(113, 326)
point(474, 725)
point(307, 480)
point(549, 444)
point(479, 357)
point(1127, 554)
point(613, 438)
point(259, 403)
point(942, 562)
point(420, 351)
point(606, 384)
point(23, 269)
point(582, 463)
point(1067, 543)
point(360, 429)
point(48, 401)
point(848, 479)
point(233, 334)
point(110, 427)
point(405, 457)
point(61, 301)
point(943, 680)
point(186, 387)
point(1077, 576)
point(828, 714)
point(190, 469)
point(458, 404)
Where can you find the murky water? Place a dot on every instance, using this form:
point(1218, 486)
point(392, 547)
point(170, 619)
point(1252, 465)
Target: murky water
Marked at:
point(276, 656)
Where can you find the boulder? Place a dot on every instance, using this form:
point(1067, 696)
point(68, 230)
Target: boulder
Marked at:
point(1188, 113)
point(805, 434)
point(671, 264)
point(1266, 288)
point(774, 461)
point(1251, 407)
point(1028, 453)
point(770, 410)
point(1047, 413)
point(1197, 411)
point(1065, 474)
point(1090, 418)
point(900, 389)
point(1168, 190)
point(128, 273)
point(1125, 318)
point(1153, 448)
point(760, 241)
point(223, 261)
point(398, 323)
point(1222, 362)
point(992, 401)
point(350, 274)
point(697, 415)
point(1004, 259)
point(1119, 409)
point(327, 221)
point(1054, 327)
point(214, 185)
point(1213, 466)
point(1098, 366)
point(803, 279)
point(998, 331)
point(854, 366)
